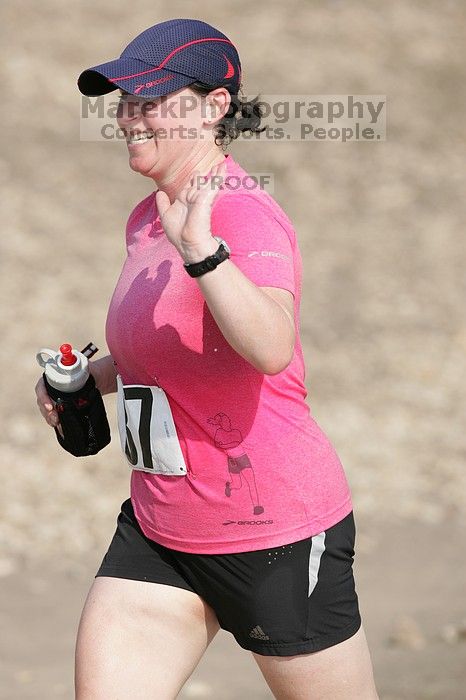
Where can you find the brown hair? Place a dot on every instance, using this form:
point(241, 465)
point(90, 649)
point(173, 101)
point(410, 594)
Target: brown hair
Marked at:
point(242, 115)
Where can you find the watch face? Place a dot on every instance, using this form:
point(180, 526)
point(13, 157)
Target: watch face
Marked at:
point(225, 244)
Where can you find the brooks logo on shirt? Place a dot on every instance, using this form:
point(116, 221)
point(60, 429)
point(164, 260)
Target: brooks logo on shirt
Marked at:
point(268, 254)
point(248, 522)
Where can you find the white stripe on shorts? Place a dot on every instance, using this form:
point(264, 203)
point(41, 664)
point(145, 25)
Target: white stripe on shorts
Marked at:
point(317, 548)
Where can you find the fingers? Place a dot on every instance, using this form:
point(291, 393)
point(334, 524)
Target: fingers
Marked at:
point(45, 404)
point(206, 185)
point(163, 202)
point(201, 180)
point(197, 185)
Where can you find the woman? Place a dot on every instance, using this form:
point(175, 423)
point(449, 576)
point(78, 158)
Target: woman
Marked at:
point(240, 514)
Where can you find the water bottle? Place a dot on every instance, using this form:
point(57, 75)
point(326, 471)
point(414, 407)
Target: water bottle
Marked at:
point(78, 402)
point(67, 370)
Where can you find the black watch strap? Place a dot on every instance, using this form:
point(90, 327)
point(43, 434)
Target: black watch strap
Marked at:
point(209, 263)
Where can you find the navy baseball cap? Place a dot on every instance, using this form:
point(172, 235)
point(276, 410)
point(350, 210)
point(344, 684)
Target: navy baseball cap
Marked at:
point(165, 58)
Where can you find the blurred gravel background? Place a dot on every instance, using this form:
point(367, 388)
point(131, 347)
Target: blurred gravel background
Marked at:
point(380, 227)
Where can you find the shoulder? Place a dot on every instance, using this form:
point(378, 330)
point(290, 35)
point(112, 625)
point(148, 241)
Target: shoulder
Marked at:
point(251, 211)
point(243, 197)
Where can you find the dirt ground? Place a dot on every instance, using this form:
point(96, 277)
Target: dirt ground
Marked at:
point(381, 232)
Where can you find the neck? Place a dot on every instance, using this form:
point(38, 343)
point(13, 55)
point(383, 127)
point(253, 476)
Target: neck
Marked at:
point(172, 183)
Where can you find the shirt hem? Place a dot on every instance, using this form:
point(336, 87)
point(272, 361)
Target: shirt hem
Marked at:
point(252, 544)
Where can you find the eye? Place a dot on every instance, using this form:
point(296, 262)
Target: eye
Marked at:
point(127, 96)
point(151, 105)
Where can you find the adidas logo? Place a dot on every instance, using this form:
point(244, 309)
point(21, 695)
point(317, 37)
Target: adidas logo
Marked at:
point(258, 633)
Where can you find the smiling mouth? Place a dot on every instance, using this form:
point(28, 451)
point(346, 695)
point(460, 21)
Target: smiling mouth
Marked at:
point(139, 137)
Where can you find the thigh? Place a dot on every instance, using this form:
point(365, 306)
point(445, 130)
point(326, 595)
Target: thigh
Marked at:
point(139, 639)
point(143, 628)
point(340, 672)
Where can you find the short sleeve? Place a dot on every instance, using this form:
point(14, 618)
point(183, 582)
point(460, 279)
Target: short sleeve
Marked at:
point(261, 247)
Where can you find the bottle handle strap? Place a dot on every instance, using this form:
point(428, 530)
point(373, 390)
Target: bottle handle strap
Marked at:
point(47, 352)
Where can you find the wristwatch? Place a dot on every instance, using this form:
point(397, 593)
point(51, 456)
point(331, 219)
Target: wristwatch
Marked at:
point(211, 262)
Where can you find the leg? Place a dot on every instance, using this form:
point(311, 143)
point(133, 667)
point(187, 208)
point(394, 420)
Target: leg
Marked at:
point(139, 640)
point(234, 485)
point(340, 672)
point(250, 480)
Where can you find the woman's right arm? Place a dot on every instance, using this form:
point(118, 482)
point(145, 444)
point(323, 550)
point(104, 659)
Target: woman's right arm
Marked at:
point(104, 373)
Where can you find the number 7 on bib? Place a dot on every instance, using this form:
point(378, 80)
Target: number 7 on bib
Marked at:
point(147, 431)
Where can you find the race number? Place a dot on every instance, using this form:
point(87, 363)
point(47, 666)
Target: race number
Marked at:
point(147, 431)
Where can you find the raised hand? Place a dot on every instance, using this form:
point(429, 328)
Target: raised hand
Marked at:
point(186, 221)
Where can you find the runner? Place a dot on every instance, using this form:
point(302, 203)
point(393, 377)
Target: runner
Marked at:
point(240, 515)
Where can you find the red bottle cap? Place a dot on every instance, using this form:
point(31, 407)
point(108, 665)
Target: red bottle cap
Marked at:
point(67, 357)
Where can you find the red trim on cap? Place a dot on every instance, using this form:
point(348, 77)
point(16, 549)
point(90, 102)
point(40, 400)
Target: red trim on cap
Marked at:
point(230, 70)
point(167, 58)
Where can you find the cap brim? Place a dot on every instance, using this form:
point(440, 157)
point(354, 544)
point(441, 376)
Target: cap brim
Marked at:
point(133, 76)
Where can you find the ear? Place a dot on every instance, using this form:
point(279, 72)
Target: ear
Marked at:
point(218, 102)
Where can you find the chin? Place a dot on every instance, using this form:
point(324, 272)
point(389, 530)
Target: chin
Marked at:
point(138, 165)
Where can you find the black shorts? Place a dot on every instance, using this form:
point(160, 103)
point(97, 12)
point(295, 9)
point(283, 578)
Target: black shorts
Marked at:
point(292, 599)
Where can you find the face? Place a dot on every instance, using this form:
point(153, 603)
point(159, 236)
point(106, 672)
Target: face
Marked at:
point(164, 133)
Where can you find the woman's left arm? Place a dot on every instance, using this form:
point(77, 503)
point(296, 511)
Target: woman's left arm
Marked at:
point(258, 322)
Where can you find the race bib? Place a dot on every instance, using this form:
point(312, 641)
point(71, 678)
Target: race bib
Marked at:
point(147, 430)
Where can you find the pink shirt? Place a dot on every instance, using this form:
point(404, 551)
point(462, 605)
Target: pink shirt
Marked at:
point(261, 472)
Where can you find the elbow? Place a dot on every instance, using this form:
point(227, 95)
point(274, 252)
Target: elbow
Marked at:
point(277, 364)
point(275, 369)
